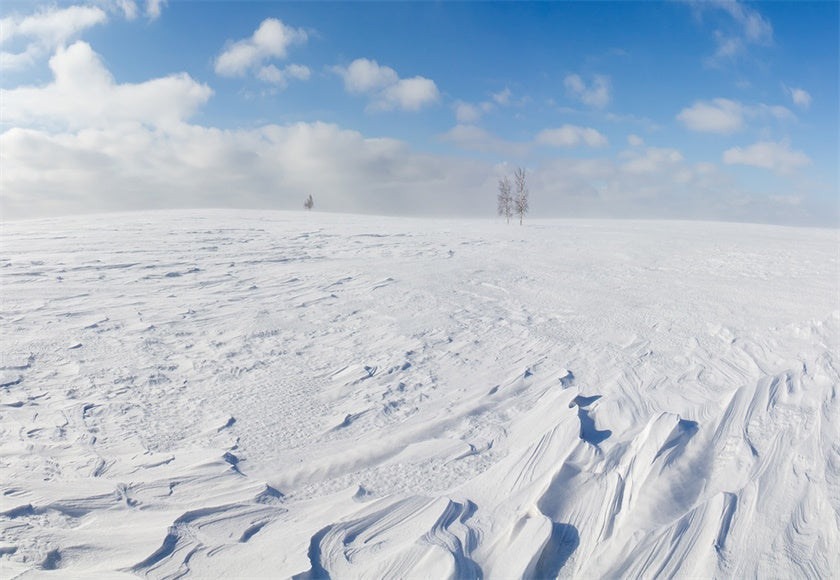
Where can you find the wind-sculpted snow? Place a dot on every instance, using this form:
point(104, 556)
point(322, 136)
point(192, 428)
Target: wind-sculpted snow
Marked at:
point(257, 394)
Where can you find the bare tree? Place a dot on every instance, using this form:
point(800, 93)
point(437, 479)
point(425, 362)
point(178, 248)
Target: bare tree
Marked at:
point(521, 200)
point(505, 198)
point(308, 203)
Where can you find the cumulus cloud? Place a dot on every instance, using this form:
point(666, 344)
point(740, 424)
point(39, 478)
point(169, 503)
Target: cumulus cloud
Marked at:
point(800, 97)
point(775, 156)
point(280, 77)
point(725, 116)
point(635, 141)
point(596, 94)
point(45, 31)
point(385, 88)
point(84, 94)
point(502, 97)
point(409, 95)
point(570, 136)
point(471, 112)
point(365, 76)
point(271, 40)
point(719, 116)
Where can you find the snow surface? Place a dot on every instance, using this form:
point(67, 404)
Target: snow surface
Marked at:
point(244, 394)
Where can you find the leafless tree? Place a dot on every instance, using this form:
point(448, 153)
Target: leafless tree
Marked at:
point(308, 203)
point(505, 198)
point(521, 199)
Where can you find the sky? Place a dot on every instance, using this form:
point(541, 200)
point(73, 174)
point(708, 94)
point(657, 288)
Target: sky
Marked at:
point(712, 110)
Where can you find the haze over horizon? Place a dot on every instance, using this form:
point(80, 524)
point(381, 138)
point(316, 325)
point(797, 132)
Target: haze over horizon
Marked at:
point(718, 110)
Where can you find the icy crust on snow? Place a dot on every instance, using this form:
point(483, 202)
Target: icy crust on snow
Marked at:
point(219, 394)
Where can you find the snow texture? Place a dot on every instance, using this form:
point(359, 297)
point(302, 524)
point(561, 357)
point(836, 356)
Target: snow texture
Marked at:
point(269, 394)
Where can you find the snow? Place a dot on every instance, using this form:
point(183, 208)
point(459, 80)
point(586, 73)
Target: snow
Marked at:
point(246, 394)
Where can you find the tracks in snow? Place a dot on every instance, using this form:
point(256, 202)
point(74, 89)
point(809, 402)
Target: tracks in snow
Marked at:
point(415, 402)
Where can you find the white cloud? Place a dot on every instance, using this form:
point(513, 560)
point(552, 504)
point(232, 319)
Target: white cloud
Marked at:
point(116, 168)
point(653, 160)
point(635, 140)
point(776, 111)
point(154, 8)
point(466, 112)
point(725, 116)
point(272, 166)
point(271, 40)
point(46, 30)
point(409, 95)
point(771, 155)
point(660, 185)
point(667, 188)
point(800, 97)
point(727, 46)
point(474, 138)
point(744, 26)
point(755, 27)
point(595, 95)
point(386, 89)
point(280, 77)
point(570, 136)
point(720, 116)
point(502, 97)
point(19, 60)
point(84, 94)
point(55, 26)
point(127, 7)
point(470, 112)
point(87, 143)
point(364, 76)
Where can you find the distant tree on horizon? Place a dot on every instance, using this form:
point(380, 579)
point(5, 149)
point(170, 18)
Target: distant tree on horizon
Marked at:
point(521, 199)
point(505, 198)
point(309, 203)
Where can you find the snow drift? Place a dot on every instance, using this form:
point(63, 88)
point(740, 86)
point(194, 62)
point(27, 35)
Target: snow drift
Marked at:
point(300, 395)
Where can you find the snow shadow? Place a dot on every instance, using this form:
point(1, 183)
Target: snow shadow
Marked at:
point(588, 431)
point(561, 545)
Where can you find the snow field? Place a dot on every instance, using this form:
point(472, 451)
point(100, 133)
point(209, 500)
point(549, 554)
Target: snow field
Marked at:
point(280, 393)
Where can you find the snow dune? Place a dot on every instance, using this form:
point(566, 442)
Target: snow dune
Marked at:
point(245, 394)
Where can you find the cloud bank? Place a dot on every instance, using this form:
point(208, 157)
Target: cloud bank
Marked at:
point(777, 157)
point(85, 142)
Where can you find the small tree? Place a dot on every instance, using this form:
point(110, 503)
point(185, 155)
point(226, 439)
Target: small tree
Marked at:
point(521, 200)
point(505, 198)
point(308, 203)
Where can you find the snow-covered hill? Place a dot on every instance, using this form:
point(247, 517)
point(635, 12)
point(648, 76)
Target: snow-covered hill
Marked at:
point(244, 394)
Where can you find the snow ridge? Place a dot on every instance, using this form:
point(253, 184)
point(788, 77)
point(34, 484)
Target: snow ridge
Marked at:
point(275, 394)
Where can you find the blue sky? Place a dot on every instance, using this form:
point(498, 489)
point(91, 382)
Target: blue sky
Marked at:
point(688, 110)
